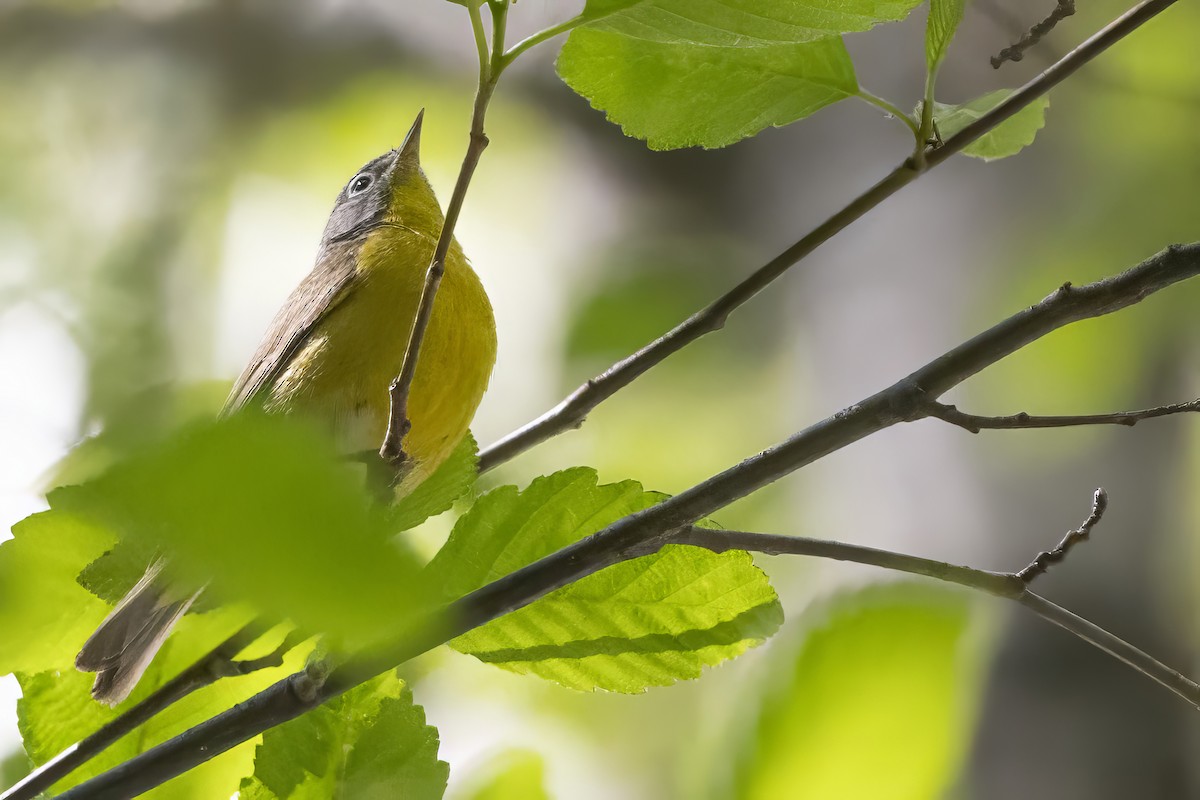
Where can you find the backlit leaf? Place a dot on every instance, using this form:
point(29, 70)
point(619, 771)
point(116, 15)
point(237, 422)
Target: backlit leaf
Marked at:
point(437, 493)
point(684, 73)
point(45, 615)
point(944, 18)
point(371, 743)
point(647, 622)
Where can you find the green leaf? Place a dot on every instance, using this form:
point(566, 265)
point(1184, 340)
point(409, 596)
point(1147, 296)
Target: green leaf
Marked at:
point(112, 575)
point(263, 510)
point(944, 18)
point(44, 614)
point(647, 622)
point(56, 710)
point(437, 493)
point(741, 23)
point(879, 701)
point(511, 775)
point(684, 73)
point(371, 743)
point(1006, 139)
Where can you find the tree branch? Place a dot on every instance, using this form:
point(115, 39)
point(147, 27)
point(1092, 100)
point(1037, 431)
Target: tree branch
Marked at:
point(392, 450)
point(573, 410)
point(216, 664)
point(1021, 420)
point(648, 530)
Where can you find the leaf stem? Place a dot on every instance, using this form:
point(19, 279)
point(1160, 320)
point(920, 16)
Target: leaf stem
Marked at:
point(891, 110)
point(541, 36)
point(481, 43)
point(925, 137)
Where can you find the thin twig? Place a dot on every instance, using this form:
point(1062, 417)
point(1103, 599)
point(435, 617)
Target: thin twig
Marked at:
point(216, 664)
point(1099, 79)
point(647, 530)
point(1115, 646)
point(1046, 558)
point(392, 449)
point(1020, 421)
point(1016, 52)
point(1001, 584)
point(573, 410)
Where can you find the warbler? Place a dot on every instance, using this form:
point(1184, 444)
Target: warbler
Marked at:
point(331, 354)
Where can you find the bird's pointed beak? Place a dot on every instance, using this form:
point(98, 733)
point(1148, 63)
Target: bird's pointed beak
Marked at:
point(411, 149)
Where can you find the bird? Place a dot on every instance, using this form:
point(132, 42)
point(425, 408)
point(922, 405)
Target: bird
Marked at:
point(331, 354)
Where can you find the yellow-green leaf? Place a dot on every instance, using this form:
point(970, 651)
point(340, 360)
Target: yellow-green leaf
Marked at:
point(1006, 139)
point(647, 622)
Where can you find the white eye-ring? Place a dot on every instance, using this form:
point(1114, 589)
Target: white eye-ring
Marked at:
point(360, 184)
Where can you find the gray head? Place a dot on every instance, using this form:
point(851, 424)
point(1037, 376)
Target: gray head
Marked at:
point(364, 201)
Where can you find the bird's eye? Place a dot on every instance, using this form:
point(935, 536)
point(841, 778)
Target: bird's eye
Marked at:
point(360, 184)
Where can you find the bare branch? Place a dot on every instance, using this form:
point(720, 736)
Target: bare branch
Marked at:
point(1021, 420)
point(573, 410)
point(648, 530)
point(1016, 52)
point(1000, 584)
point(1047, 557)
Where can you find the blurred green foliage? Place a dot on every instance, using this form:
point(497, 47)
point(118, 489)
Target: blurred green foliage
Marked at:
point(877, 702)
point(260, 508)
point(511, 775)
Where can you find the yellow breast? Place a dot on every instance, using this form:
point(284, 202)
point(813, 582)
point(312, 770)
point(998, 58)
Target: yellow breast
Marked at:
point(342, 373)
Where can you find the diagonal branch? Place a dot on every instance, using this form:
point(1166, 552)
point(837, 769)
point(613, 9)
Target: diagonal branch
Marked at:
point(573, 410)
point(216, 664)
point(647, 530)
point(490, 69)
point(1021, 420)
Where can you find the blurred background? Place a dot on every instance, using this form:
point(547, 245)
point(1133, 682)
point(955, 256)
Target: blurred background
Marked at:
point(166, 167)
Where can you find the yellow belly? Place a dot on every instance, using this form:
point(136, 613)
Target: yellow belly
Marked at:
point(342, 373)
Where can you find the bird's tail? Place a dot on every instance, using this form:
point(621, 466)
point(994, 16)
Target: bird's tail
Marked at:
point(122, 647)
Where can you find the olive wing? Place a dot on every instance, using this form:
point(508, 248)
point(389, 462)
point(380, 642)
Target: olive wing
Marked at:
point(322, 290)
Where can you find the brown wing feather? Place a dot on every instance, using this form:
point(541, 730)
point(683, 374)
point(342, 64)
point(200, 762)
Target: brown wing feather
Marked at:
point(329, 283)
